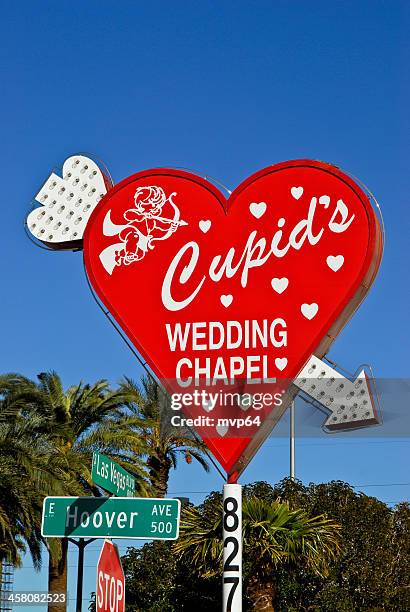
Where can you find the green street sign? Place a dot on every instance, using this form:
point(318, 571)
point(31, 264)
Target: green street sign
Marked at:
point(144, 518)
point(112, 477)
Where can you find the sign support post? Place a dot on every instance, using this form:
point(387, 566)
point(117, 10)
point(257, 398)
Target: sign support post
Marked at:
point(81, 544)
point(232, 548)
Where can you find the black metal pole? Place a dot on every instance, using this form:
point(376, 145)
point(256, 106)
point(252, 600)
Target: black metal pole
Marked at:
point(81, 544)
point(80, 574)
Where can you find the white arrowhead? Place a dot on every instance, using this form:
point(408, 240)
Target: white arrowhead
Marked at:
point(350, 403)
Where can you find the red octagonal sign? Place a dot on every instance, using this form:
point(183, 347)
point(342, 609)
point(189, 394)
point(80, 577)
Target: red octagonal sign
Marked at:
point(110, 580)
point(236, 292)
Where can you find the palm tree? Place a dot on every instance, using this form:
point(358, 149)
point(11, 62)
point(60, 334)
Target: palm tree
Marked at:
point(273, 535)
point(162, 445)
point(76, 422)
point(30, 469)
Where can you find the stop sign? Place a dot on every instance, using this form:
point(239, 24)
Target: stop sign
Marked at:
point(110, 580)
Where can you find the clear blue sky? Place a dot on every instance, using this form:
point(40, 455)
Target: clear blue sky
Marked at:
point(225, 88)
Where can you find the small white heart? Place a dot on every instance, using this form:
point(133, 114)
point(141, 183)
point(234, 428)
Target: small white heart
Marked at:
point(279, 284)
point(207, 405)
point(205, 225)
point(281, 363)
point(226, 300)
point(297, 192)
point(245, 402)
point(222, 429)
point(325, 200)
point(309, 310)
point(335, 262)
point(258, 209)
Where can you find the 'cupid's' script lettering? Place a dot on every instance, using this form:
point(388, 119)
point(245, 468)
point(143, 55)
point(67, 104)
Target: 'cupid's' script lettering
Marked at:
point(255, 253)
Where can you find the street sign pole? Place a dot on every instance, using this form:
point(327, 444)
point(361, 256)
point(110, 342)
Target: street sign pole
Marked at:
point(232, 550)
point(80, 574)
point(81, 544)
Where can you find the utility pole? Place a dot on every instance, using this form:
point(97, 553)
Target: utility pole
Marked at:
point(292, 440)
point(81, 544)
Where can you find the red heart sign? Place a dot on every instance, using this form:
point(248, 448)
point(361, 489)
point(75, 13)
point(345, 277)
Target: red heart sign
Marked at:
point(241, 289)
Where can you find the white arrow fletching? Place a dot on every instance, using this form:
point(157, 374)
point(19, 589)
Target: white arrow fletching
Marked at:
point(67, 201)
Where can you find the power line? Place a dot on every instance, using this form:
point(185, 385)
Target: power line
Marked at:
point(383, 484)
point(373, 484)
point(337, 443)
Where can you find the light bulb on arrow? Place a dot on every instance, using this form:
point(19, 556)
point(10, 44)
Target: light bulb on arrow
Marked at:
point(352, 404)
